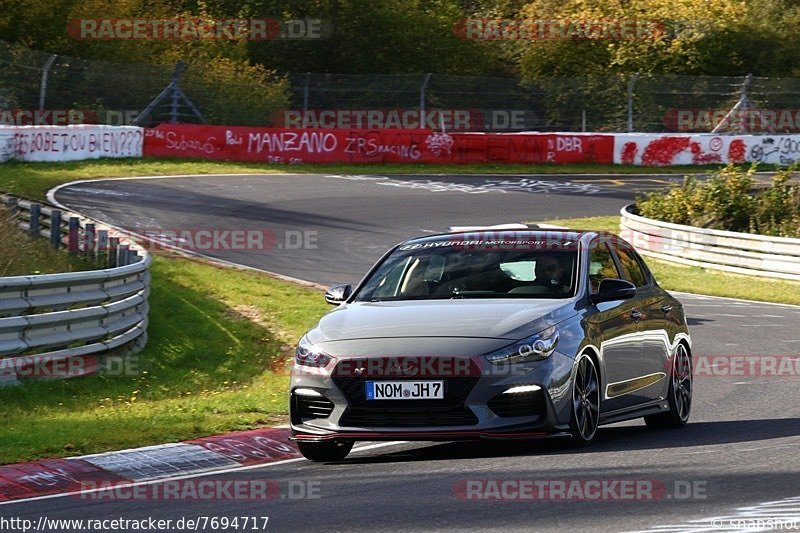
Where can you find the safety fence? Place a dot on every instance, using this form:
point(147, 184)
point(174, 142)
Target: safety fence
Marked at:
point(741, 253)
point(41, 88)
point(68, 324)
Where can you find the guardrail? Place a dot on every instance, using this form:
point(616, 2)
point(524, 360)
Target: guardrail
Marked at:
point(740, 253)
point(68, 324)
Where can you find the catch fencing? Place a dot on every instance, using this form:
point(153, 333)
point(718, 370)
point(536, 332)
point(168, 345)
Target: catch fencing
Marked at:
point(41, 88)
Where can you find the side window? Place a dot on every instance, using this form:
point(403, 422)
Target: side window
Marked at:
point(631, 268)
point(601, 265)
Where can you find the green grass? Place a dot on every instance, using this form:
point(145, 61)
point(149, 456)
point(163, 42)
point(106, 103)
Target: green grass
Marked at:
point(216, 361)
point(33, 180)
point(699, 280)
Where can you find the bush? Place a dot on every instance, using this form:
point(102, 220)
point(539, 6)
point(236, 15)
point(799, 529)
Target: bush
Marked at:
point(730, 200)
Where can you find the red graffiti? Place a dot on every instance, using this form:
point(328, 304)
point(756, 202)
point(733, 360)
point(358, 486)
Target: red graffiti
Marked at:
point(663, 151)
point(699, 158)
point(737, 151)
point(629, 153)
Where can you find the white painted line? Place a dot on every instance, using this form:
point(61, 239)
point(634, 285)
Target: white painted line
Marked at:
point(191, 476)
point(758, 302)
point(785, 512)
point(190, 253)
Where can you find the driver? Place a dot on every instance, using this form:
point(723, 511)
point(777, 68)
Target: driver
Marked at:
point(549, 272)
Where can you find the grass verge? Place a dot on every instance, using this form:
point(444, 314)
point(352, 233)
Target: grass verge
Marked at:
point(219, 341)
point(699, 280)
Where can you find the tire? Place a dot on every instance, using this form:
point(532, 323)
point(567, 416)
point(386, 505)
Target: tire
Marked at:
point(679, 394)
point(326, 451)
point(585, 413)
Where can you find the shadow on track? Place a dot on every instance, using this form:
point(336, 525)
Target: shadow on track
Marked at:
point(609, 439)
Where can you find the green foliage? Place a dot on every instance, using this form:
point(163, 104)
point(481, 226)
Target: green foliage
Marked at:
point(730, 200)
point(709, 37)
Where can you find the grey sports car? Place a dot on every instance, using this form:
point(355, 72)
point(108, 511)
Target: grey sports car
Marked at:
point(492, 334)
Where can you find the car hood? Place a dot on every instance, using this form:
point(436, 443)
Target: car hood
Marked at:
point(479, 318)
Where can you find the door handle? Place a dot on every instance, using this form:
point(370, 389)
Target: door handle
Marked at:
point(636, 315)
point(666, 309)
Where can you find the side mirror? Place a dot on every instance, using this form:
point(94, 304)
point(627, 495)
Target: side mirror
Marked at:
point(613, 289)
point(338, 293)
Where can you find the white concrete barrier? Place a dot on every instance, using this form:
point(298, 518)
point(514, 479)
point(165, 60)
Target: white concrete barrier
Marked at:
point(741, 253)
point(69, 143)
point(663, 149)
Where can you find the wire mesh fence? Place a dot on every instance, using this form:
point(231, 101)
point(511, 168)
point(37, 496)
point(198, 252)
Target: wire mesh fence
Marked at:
point(38, 87)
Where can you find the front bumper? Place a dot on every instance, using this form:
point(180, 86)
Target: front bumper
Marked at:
point(474, 407)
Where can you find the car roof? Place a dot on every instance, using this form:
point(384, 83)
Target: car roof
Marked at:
point(554, 235)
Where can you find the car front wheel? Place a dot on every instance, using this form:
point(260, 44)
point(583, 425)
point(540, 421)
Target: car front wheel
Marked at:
point(585, 416)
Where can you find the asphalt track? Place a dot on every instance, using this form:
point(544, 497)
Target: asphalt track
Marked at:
point(740, 450)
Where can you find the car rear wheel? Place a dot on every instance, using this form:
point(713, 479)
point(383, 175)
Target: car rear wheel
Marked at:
point(679, 395)
point(325, 451)
point(585, 415)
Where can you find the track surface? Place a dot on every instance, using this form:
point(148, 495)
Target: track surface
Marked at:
point(741, 448)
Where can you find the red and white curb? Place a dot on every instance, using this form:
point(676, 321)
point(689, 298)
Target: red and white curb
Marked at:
point(202, 456)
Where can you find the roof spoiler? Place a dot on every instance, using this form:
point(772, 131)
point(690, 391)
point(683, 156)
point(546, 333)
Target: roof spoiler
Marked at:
point(497, 227)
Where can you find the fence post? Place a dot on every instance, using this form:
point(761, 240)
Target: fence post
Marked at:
point(102, 245)
point(306, 90)
point(35, 225)
point(422, 98)
point(122, 255)
point(88, 238)
point(133, 256)
point(175, 102)
point(12, 204)
point(73, 237)
point(55, 228)
point(43, 85)
point(742, 103)
point(631, 84)
point(113, 244)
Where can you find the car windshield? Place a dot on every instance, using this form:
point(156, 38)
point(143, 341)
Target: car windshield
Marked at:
point(447, 269)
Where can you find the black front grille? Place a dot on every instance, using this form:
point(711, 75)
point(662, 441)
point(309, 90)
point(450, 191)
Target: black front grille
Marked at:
point(310, 407)
point(518, 404)
point(449, 411)
point(406, 417)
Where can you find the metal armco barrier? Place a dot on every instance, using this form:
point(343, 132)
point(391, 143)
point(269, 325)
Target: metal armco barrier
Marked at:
point(741, 253)
point(65, 325)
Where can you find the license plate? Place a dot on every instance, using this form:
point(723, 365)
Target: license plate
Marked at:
point(405, 390)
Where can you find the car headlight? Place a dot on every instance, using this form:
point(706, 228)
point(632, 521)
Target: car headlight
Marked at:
point(306, 354)
point(533, 348)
